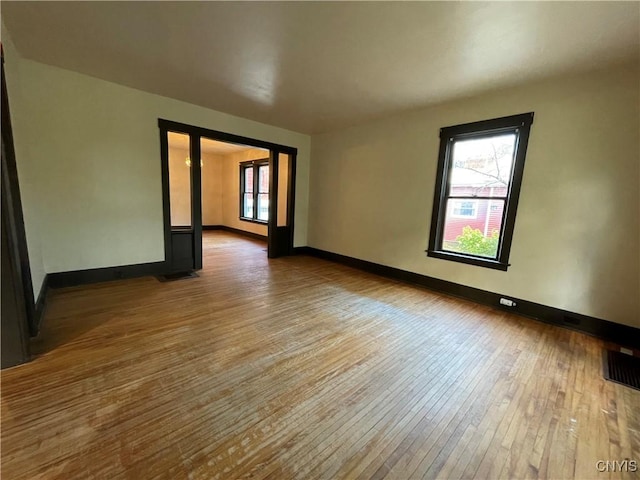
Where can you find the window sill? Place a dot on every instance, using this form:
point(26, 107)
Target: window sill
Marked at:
point(253, 220)
point(468, 259)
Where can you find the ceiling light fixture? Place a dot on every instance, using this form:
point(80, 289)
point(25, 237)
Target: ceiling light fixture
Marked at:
point(188, 162)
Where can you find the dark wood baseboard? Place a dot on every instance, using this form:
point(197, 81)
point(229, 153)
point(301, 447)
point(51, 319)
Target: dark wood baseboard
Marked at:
point(255, 236)
point(623, 335)
point(40, 306)
point(94, 275)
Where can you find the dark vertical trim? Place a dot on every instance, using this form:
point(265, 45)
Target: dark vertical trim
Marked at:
point(11, 185)
point(196, 199)
point(439, 193)
point(511, 204)
point(15, 333)
point(242, 189)
point(256, 188)
point(41, 304)
point(291, 198)
point(166, 192)
point(272, 240)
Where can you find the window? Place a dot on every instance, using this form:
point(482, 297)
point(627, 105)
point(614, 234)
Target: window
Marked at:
point(254, 191)
point(464, 209)
point(480, 169)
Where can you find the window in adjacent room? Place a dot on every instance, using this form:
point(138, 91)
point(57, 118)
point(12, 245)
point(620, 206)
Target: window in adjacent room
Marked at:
point(480, 169)
point(254, 191)
point(464, 208)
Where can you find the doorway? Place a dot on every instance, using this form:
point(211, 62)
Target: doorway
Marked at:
point(253, 180)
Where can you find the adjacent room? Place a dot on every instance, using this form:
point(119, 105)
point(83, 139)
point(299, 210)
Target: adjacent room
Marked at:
point(301, 240)
point(227, 174)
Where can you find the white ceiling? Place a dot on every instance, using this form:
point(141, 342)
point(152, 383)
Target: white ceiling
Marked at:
point(318, 66)
point(180, 140)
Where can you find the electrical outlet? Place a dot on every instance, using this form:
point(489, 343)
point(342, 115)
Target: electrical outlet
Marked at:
point(507, 303)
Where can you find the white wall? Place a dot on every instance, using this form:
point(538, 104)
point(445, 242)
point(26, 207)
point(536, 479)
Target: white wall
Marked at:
point(577, 235)
point(93, 161)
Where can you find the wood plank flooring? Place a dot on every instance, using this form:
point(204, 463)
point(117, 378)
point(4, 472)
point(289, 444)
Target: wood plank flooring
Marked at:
point(298, 368)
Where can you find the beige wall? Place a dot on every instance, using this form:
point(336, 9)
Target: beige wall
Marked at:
point(576, 241)
point(212, 188)
point(89, 159)
point(180, 187)
point(220, 189)
point(231, 190)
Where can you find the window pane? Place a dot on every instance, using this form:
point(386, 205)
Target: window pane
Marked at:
point(482, 166)
point(473, 227)
point(284, 164)
point(263, 179)
point(247, 205)
point(248, 179)
point(263, 206)
point(179, 180)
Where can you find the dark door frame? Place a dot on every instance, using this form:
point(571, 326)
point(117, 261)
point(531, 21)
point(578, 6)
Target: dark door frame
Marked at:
point(18, 306)
point(196, 134)
point(11, 190)
point(275, 239)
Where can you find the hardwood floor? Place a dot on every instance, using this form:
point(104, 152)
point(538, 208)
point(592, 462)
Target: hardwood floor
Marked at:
point(301, 368)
